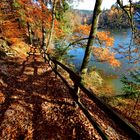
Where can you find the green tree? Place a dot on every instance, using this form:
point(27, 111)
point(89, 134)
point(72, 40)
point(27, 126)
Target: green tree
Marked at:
point(131, 84)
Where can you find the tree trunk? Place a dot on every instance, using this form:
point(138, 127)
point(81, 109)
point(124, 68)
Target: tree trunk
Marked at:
point(92, 35)
point(30, 33)
point(44, 34)
point(44, 39)
point(52, 25)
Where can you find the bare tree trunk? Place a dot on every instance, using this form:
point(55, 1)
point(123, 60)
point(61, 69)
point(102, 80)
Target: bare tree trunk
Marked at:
point(30, 33)
point(44, 34)
point(44, 39)
point(52, 25)
point(92, 35)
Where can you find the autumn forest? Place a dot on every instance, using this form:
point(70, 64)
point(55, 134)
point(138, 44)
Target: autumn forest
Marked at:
point(68, 73)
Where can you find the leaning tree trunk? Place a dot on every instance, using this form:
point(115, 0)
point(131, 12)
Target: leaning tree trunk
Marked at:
point(92, 35)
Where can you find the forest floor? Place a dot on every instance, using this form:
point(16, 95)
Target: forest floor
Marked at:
point(35, 105)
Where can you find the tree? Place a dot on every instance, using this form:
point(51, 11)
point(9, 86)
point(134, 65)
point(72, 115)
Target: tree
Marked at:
point(131, 85)
point(10, 23)
point(103, 45)
point(130, 52)
point(52, 24)
point(92, 35)
point(102, 52)
point(25, 17)
point(114, 18)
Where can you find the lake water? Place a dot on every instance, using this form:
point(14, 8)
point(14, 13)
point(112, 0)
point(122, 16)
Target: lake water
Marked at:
point(122, 38)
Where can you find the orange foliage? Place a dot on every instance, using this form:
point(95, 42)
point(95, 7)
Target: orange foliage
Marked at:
point(105, 55)
point(11, 30)
point(102, 53)
point(38, 16)
point(105, 38)
point(58, 31)
point(83, 29)
point(15, 17)
point(38, 33)
point(15, 40)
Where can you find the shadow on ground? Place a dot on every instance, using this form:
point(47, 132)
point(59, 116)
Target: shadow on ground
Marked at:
point(35, 104)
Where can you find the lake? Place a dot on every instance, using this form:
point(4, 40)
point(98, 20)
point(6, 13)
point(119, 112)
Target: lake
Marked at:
point(112, 75)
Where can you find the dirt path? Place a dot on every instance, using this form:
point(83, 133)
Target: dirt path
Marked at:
point(36, 106)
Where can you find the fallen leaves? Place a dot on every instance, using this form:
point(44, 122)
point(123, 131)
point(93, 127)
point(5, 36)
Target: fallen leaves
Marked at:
point(2, 98)
point(39, 107)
